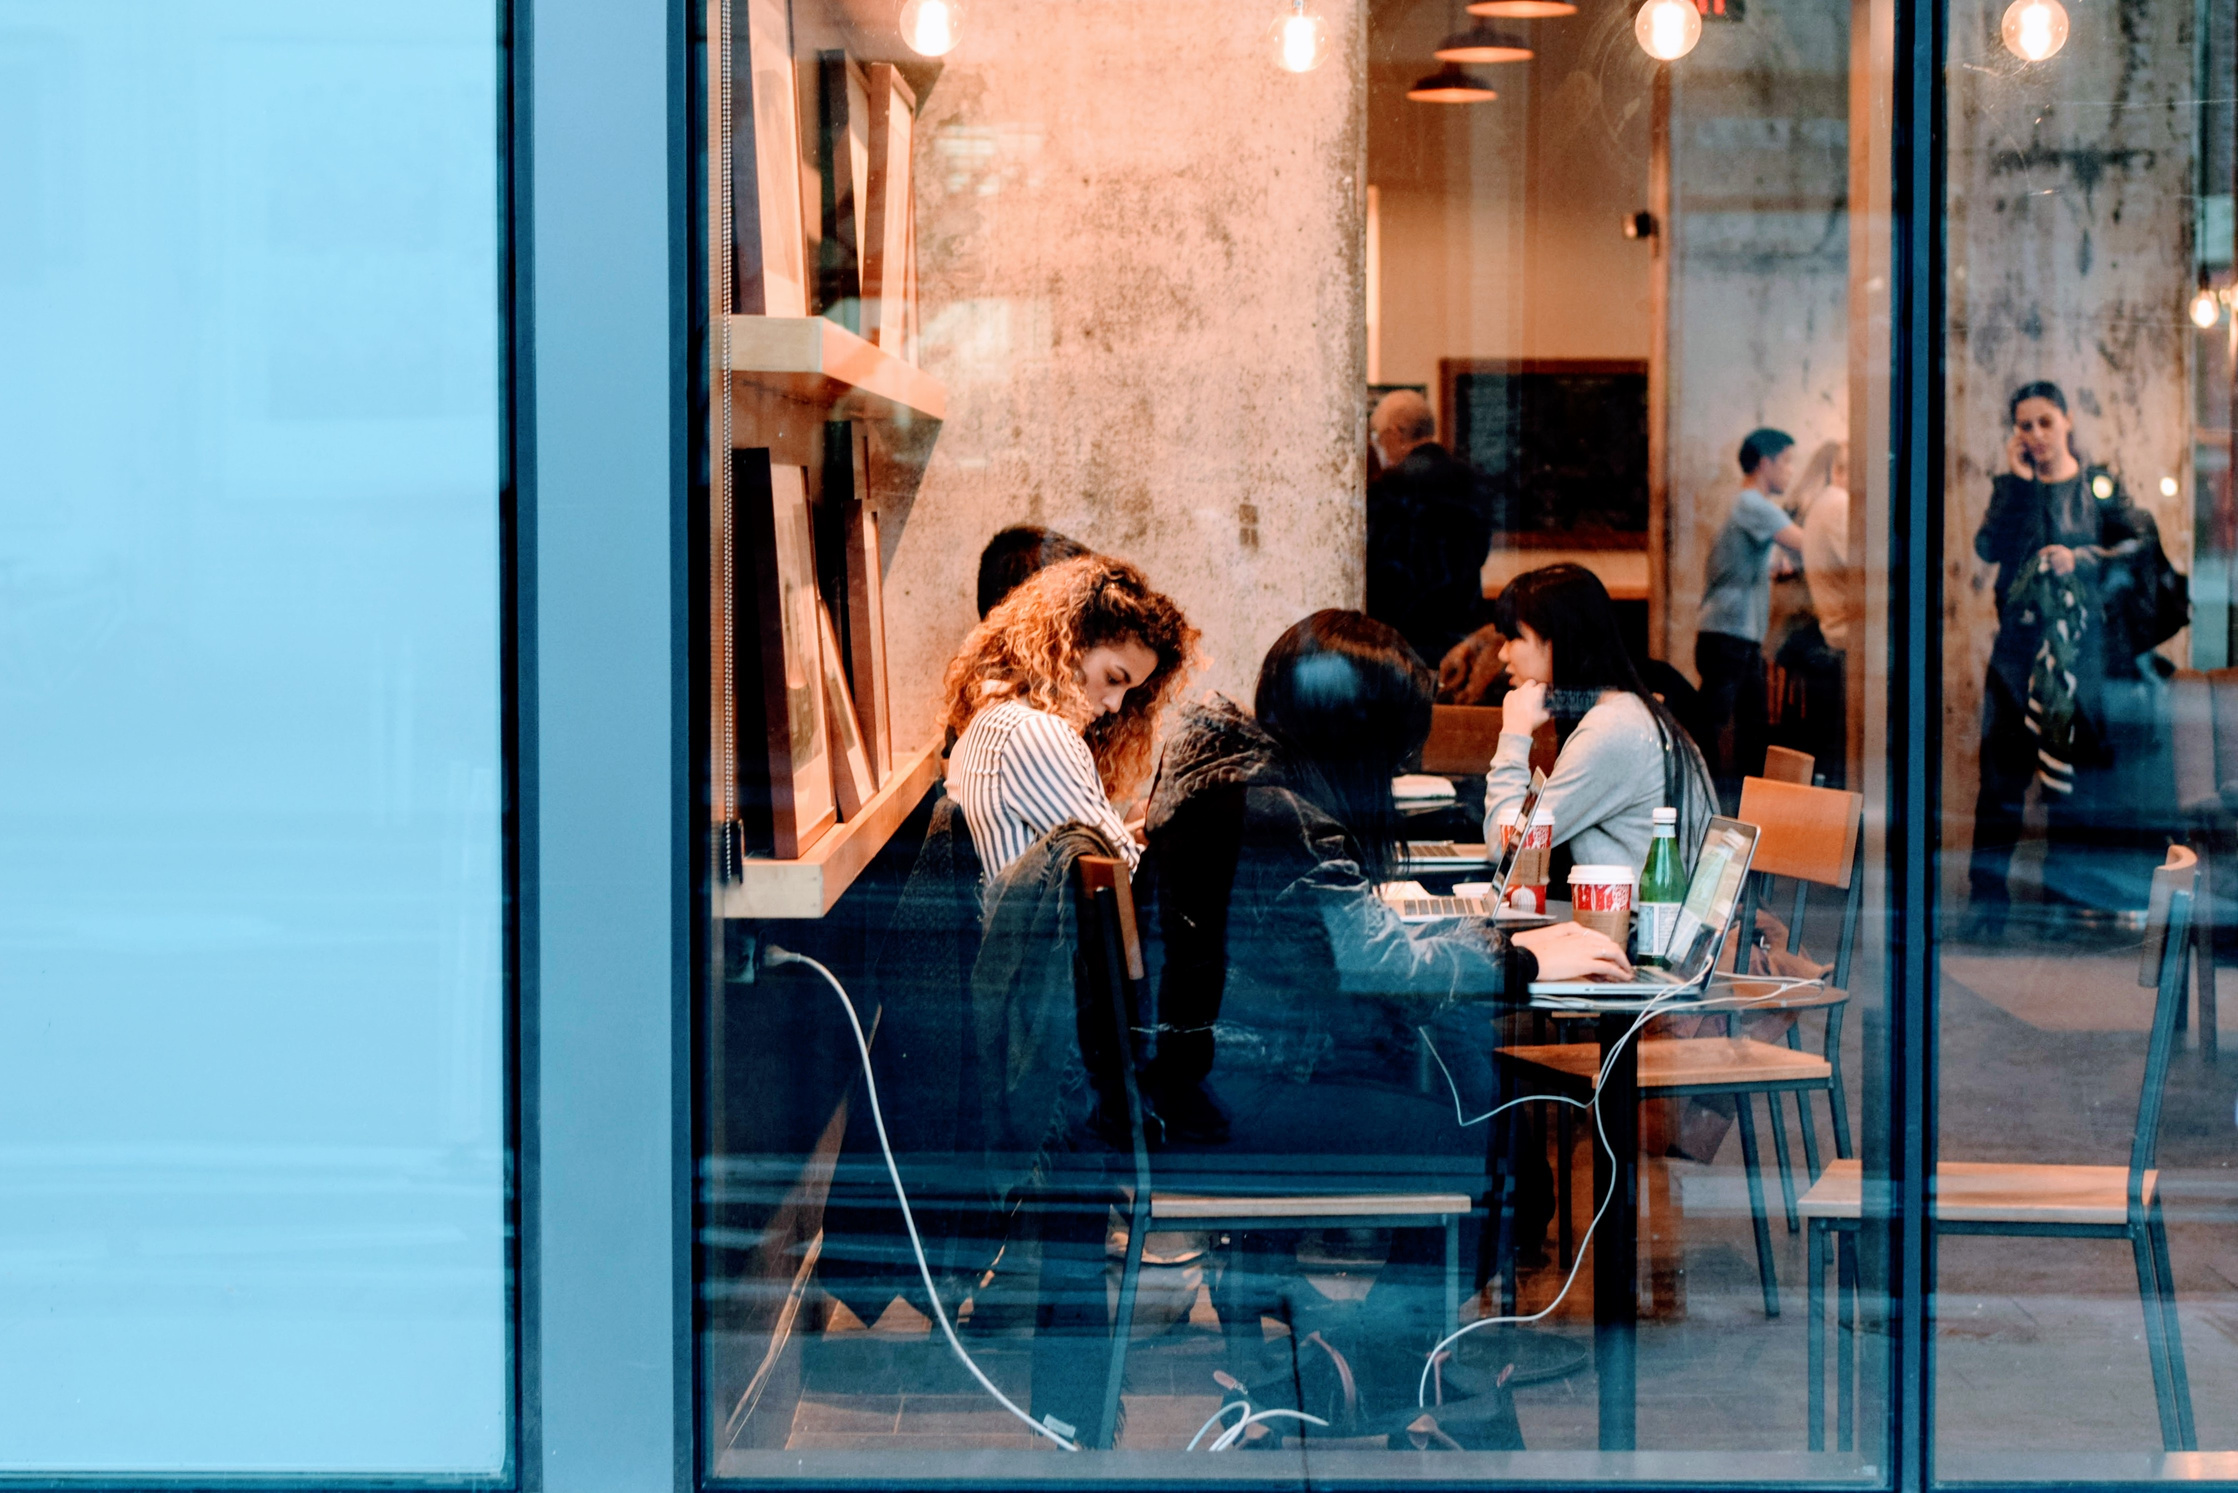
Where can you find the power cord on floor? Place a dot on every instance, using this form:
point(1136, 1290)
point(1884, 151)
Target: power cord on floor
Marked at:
point(1653, 1008)
point(774, 955)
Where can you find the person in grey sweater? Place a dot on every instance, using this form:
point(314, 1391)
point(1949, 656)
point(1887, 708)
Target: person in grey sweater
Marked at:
point(1625, 758)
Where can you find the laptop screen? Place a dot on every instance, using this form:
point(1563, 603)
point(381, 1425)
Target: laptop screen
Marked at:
point(1505, 869)
point(1727, 847)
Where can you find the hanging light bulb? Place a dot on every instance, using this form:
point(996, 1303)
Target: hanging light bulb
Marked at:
point(1668, 29)
point(1451, 85)
point(2034, 29)
point(2206, 309)
point(930, 27)
point(1480, 43)
point(1300, 39)
point(1522, 10)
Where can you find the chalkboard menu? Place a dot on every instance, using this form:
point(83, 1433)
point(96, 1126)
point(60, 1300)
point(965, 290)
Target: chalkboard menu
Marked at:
point(1562, 444)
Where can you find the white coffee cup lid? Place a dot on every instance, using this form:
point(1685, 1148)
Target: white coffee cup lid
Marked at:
point(1601, 875)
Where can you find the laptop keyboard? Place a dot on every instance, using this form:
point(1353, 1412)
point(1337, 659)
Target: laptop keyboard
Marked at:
point(1445, 907)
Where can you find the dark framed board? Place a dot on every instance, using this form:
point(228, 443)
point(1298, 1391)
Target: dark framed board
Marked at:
point(1562, 444)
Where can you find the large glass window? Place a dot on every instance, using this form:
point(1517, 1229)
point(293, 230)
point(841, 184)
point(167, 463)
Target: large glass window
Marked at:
point(2083, 1116)
point(254, 1190)
point(1177, 472)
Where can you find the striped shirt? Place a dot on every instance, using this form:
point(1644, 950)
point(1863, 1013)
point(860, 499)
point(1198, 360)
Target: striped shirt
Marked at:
point(1018, 773)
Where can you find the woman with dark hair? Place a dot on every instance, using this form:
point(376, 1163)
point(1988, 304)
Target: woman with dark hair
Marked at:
point(2065, 537)
point(1293, 998)
point(1625, 757)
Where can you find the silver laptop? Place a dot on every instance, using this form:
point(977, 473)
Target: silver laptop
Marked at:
point(1429, 909)
point(1713, 898)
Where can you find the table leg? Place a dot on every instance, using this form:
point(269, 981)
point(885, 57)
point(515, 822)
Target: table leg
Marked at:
point(1616, 1239)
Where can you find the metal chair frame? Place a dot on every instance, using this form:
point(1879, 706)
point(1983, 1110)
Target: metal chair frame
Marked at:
point(2145, 1226)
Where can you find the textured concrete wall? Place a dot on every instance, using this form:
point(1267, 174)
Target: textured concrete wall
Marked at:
point(2070, 248)
point(1140, 250)
point(1760, 265)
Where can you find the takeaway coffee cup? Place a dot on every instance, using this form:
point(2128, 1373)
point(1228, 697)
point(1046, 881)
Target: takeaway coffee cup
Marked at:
point(1601, 899)
point(1527, 886)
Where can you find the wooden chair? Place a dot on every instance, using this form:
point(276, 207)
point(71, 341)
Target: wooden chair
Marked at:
point(1463, 737)
point(1111, 969)
point(1814, 837)
point(2069, 1202)
point(1786, 765)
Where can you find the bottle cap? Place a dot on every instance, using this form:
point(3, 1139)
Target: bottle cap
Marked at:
point(1666, 816)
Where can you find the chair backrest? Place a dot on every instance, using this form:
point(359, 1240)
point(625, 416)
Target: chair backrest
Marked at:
point(1786, 765)
point(2167, 951)
point(1463, 737)
point(1807, 833)
point(1815, 837)
point(1111, 972)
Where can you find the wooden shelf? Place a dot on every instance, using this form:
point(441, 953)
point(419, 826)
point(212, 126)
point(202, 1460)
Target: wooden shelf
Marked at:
point(811, 360)
point(811, 886)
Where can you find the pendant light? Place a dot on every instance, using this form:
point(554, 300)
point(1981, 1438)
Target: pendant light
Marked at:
point(1299, 39)
point(1668, 29)
point(930, 26)
point(1522, 10)
point(1480, 43)
point(1451, 85)
point(2034, 29)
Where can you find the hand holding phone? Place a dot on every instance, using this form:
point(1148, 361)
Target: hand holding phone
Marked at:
point(2016, 456)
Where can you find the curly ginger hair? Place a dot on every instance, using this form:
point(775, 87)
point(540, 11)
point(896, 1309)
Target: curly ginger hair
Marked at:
point(1031, 646)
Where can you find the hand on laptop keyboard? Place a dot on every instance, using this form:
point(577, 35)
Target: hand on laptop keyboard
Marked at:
point(1572, 951)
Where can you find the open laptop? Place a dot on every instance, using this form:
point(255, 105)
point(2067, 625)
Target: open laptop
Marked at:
point(1414, 909)
point(1713, 898)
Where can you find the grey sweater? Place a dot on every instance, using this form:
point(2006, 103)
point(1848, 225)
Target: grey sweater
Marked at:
point(1606, 786)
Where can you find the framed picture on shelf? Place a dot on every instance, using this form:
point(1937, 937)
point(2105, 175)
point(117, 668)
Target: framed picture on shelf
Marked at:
point(769, 246)
point(774, 523)
point(866, 611)
point(886, 221)
point(850, 764)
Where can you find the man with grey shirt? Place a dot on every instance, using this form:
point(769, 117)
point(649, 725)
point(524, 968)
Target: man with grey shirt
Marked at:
point(1737, 609)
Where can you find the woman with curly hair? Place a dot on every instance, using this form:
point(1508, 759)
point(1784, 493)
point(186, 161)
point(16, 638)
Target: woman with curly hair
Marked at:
point(1054, 700)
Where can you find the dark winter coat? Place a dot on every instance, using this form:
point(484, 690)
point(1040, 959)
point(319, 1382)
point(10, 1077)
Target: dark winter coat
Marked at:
point(1279, 956)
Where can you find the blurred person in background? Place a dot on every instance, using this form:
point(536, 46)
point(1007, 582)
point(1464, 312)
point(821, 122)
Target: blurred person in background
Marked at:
point(1737, 611)
point(1429, 529)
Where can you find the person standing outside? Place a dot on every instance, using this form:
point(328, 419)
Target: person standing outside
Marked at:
point(1429, 529)
point(2049, 515)
point(1737, 608)
point(1823, 501)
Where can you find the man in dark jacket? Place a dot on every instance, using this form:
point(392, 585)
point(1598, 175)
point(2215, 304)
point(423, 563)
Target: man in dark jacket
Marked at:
point(1429, 529)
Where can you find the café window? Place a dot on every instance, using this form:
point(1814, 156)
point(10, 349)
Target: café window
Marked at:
point(1315, 776)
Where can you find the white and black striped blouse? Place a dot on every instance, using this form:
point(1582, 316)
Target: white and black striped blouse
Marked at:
point(1018, 773)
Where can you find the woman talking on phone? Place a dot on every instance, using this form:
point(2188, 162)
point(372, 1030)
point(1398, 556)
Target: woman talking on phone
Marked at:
point(2077, 564)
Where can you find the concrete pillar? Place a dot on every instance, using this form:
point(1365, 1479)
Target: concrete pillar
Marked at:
point(1140, 245)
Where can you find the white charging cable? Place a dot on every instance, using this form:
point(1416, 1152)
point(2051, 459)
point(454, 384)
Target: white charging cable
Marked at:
point(775, 955)
point(1608, 1060)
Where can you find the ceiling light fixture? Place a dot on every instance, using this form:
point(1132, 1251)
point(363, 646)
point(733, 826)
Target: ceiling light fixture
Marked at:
point(1451, 85)
point(930, 26)
point(1300, 39)
point(1480, 43)
point(2206, 309)
point(2034, 29)
point(1668, 29)
point(1522, 10)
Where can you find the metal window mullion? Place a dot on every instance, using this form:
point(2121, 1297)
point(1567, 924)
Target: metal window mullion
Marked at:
point(1918, 160)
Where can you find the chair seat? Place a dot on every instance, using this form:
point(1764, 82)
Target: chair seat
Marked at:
point(1994, 1192)
point(1684, 1062)
point(1167, 1205)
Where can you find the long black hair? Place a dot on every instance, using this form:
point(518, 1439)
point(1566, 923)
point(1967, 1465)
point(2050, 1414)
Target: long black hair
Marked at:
point(1569, 607)
point(1349, 703)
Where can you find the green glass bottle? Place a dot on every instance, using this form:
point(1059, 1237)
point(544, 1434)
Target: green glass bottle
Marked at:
point(1662, 890)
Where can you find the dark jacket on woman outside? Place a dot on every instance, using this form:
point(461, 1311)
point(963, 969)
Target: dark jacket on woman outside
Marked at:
point(1279, 956)
point(2109, 535)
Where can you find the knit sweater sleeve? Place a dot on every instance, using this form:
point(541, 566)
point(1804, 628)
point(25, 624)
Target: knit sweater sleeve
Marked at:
point(1597, 776)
